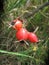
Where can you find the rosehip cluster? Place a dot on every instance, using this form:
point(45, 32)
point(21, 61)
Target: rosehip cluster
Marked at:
point(22, 33)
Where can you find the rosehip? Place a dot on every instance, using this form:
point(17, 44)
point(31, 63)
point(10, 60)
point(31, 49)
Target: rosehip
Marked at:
point(32, 37)
point(18, 25)
point(22, 34)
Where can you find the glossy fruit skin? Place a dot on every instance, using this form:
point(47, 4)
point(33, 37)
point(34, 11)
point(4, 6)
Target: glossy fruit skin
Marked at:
point(22, 34)
point(32, 37)
point(18, 25)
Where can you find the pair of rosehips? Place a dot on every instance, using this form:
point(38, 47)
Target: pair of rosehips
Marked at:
point(22, 33)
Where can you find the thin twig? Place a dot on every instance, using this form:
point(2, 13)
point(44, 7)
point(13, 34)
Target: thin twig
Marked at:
point(26, 43)
point(36, 29)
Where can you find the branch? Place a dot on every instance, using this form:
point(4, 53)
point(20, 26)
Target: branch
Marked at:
point(36, 10)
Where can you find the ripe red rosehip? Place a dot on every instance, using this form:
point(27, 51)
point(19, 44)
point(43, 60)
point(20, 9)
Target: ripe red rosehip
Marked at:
point(32, 37)
point(18, 25)
point(22, 34)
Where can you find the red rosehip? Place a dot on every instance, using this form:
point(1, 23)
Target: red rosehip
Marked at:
point(32, 37)
point(18, 25)
point(22, 34)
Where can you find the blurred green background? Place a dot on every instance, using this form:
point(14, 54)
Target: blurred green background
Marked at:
point(12, 53)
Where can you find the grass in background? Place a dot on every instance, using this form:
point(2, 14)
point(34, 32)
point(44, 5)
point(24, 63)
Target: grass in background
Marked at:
point(12, 53)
